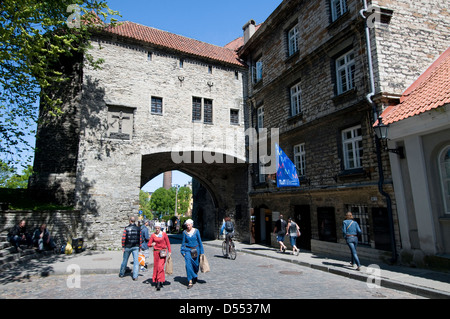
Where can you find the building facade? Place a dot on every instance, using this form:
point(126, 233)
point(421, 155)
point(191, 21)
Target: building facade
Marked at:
point(159, 102)
point(316, 72)
point(420, 126)
point(320, 72)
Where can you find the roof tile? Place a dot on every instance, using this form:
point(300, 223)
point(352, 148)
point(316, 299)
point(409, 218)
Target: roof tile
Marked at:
point(430, 91)
point(175, 42)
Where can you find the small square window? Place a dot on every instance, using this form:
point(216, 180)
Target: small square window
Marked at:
point(156, 107)
point(181, 63)
point(210, 69)
point(149, 56)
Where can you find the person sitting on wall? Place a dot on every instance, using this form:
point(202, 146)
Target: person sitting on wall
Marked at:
point(42, 239)
point(18, 235)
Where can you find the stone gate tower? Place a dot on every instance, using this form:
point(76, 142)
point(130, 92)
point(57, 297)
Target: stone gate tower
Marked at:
point(160, 102)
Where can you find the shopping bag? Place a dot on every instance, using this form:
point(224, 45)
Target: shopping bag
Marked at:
point(68, 250)
point(141, 259)
point(204, 264)
point(169, 266)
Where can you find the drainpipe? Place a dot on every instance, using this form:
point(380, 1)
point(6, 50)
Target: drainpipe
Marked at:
point(377, 140)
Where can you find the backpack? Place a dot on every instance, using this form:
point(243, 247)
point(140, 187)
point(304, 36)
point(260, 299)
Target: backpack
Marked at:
point(229, 226)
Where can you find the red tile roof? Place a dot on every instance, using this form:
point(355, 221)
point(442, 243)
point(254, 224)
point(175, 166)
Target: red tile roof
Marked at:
point(175, 42)
point(430, 91)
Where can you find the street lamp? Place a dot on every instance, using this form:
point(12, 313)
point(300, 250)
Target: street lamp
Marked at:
point(176, 197)
point(382, 130)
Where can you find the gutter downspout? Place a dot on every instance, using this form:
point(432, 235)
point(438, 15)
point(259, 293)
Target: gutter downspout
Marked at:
point(377, 140)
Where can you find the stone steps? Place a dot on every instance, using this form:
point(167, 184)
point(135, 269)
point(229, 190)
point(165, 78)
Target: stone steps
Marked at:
point(10, 258)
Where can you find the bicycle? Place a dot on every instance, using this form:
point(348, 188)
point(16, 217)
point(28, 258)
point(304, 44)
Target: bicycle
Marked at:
point(231, 249)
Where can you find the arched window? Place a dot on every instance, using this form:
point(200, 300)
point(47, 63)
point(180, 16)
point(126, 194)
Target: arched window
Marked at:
point(444, 167)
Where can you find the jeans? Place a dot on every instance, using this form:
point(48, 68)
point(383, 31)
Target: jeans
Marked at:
point(126, 256)
point(227, 241)
point(16, 240)
point(352, 243)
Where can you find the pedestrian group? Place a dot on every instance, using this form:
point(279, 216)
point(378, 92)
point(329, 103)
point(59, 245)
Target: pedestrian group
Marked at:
point(135, 239)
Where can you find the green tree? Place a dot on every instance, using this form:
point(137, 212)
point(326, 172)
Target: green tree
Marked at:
point(163, 200)
point(184, 199)
point(34, 34)
point(144, 204)
point(10, 179)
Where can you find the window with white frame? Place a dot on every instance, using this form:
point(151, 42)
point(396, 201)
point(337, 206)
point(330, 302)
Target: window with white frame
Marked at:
point(345, 72)
point(293, 40)
point(260, 119)
point(444, 168)
point(300, 159)
point(296, 100)
point(257, 71)
point(352, 147)
point(338, 8)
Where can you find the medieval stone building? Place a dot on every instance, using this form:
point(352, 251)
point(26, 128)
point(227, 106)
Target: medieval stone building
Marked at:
point(159, 102)
point(318, 72)
point(321, 72)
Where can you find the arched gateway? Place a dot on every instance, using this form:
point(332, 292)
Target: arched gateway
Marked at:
point(159, 102)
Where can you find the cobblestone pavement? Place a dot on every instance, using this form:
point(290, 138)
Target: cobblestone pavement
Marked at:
point(248, 277)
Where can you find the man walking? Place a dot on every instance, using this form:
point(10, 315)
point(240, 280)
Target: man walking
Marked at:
point(131, 240)
point(280, 231)
point(145, 237)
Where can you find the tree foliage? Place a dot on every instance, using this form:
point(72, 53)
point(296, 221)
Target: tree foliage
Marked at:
point(33, 36)
point(144, 204)
point(10, 179)
point(163, 200)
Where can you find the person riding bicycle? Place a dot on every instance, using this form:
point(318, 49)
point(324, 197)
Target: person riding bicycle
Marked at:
point(229, 232)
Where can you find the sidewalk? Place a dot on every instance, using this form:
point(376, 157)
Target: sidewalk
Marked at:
point(423, 282)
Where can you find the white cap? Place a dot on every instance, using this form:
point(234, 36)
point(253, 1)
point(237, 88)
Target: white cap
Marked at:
point(158, 224)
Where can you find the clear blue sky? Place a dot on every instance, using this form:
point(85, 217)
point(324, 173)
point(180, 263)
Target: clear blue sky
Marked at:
point(211, 21)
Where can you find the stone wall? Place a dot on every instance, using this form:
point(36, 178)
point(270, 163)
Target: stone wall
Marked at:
point(63, 225)
point(415, 37)
point(123, 144)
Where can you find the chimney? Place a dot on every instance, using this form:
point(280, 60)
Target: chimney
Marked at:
point(167, 180)
point(249, 29)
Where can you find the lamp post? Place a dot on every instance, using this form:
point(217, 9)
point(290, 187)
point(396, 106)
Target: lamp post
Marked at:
point(382, 130)
point(381, 134)
point(176, 198)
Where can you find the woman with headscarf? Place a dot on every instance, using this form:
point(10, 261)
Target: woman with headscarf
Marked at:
point(191, 249)
point(159, 241)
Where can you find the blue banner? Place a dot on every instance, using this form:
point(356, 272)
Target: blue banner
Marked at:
point(286, 171)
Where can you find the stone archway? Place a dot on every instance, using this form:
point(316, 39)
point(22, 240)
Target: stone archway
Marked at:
point(226, 184)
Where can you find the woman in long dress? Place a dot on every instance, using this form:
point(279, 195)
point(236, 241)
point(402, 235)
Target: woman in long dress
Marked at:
point(159, 240)
point(191, 240)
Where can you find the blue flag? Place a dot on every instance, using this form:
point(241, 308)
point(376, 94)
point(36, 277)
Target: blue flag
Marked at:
point(286, 171)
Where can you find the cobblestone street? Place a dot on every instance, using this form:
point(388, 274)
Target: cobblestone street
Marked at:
point(247, 277)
